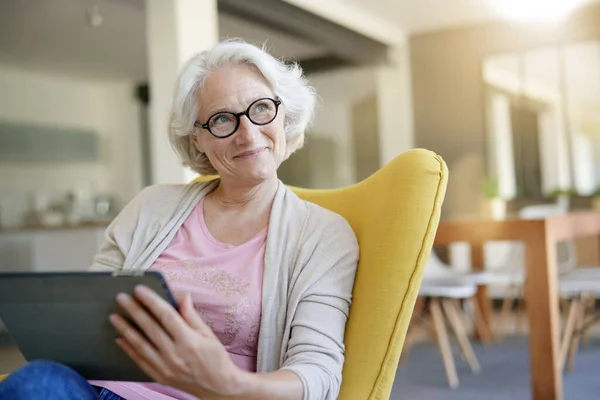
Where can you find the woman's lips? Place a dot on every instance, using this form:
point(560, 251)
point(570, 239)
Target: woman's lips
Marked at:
point(251, 153)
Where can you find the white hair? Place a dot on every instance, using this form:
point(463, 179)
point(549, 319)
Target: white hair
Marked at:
point(286, 80)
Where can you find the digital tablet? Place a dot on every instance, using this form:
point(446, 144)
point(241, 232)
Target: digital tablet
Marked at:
point(63, 317)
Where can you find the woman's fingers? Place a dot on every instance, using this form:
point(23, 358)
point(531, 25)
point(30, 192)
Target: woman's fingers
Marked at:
point(139, 360)
point(138, 342)
point(145, 322)
point(163, 312)
point(191, 316)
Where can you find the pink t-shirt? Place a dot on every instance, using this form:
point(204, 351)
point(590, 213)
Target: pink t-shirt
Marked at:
point(225, 282)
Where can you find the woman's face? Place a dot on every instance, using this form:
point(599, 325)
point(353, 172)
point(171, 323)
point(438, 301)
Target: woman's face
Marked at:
point(253, 152)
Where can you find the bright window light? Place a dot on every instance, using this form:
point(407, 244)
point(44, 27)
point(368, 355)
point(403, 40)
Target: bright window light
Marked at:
point(536, 10)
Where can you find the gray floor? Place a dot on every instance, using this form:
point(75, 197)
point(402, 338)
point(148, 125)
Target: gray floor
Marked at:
point(505, 374)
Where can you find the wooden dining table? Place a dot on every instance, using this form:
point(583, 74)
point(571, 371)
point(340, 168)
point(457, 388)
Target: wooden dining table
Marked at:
point(539, 237)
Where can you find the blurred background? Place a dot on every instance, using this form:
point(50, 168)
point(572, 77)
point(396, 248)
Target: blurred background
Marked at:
point(506, 91)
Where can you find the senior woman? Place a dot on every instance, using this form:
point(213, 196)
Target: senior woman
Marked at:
point(264, 278)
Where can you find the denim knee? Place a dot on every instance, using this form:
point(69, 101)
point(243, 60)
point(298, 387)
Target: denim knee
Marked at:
point(46, 380)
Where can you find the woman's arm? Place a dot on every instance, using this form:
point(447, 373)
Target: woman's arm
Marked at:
point(316, 349)
point(118, 238)
point(181, 351)
point(124, 232)
point(282, 384)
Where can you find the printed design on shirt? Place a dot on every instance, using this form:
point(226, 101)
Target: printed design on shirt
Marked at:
point(170, 275)
point(220, 281)
point(236, 316)
point(251, 345)
point(210, 322)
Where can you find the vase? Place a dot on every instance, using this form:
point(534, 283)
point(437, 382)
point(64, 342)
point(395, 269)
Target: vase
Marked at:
point(496, 208)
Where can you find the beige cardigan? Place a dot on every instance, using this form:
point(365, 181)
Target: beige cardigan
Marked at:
point(310, 264)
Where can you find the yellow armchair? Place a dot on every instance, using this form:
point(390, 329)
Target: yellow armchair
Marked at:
point(394, 214)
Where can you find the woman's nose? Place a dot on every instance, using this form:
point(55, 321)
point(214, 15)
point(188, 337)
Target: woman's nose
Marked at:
point(246, 130)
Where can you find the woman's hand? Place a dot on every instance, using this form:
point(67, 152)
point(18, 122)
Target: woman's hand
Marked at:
point(175, 349)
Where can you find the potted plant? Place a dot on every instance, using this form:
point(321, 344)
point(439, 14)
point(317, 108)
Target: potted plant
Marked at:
point(496, 205)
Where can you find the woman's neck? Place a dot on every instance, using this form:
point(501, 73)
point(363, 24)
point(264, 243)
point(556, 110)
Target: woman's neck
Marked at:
point(229, 196)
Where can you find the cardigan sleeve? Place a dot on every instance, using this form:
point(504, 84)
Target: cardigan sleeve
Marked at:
point(316, 347)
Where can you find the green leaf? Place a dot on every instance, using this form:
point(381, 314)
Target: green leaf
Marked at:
point(491, 187)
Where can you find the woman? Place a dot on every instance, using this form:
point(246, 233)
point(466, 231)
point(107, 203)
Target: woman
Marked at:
point(265, 279)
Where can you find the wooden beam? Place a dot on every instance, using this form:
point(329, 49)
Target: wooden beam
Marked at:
point(323, 63)
point(281, 16)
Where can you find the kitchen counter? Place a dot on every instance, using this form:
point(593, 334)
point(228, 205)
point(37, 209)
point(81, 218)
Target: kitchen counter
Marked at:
point(48, 228)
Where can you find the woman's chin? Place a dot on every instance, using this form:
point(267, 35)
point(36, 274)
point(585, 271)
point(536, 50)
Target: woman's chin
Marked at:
point(259, 173)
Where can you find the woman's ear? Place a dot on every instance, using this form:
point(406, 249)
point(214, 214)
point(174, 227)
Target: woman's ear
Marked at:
point(196, 142)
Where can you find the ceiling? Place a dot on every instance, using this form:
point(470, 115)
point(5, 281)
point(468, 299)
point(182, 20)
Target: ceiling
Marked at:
point(428, 15)
point(55, 36)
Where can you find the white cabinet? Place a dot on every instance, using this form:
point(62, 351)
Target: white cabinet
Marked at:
point(16, 252)
point(49, 250)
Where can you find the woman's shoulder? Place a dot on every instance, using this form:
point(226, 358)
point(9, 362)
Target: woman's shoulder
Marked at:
point(156, 192)
point(321, 221)
point(162, 197)
point(327, 242)
point(159, 193)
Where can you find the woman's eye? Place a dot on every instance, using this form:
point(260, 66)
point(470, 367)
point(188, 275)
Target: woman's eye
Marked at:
point(222, 119)
point(264, 107)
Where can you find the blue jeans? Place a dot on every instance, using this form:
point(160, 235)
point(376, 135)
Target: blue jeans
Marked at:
point(50, 381)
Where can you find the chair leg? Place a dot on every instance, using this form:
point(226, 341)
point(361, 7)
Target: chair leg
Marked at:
point(505, 313)
point(465, 321)
point(579, 321)
point(415, 324)
point(408, 342)
point(568, 331)
point(520, 324)
point(443, 342)
point(483, 329)
point(463, 340)
point(589, 306)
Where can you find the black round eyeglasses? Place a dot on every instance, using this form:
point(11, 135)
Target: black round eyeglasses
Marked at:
point(224, 124)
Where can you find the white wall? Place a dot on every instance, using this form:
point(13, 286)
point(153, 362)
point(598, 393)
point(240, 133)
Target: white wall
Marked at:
point(106, 107)
point(338, 91)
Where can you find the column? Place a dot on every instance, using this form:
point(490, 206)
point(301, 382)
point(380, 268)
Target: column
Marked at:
point(175, 30)
point(394, 103)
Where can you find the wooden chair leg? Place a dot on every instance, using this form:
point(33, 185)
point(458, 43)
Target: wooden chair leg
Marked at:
point(563, 308)
point(465, 321)
point(461, 336)
point(521, 323)
point(415, 323)
point(408, 342)
point(506, 311)
point(568, 331)
point(483, 329)
point(589, 309)
point(579, 321)
point(443, 342)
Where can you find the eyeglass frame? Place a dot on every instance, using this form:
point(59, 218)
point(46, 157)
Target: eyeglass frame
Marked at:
point(238, 116)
